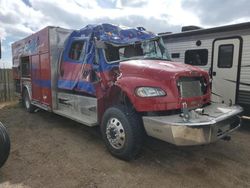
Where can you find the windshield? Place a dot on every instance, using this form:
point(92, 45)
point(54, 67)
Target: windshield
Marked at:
point(153, 49)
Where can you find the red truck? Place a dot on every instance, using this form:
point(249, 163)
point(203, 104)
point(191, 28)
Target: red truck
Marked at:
point(123, 80)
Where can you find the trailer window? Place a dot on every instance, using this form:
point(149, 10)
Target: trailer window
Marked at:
point(196, 57)
point(25, 67)
point(76, 50)
point(175, 55)
point(225, 56)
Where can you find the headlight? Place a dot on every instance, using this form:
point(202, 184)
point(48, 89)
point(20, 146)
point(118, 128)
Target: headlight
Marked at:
point(149, 92)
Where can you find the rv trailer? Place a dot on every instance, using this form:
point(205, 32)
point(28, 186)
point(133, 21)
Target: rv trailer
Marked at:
point(224, 52)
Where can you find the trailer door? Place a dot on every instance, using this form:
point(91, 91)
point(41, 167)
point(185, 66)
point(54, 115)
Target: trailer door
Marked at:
point(226, 61)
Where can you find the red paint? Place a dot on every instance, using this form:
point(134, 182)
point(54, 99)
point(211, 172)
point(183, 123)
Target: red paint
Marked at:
point(160, 74)
point(45, 75)
point(70, 71)
point(36, 47)
point(35, 75)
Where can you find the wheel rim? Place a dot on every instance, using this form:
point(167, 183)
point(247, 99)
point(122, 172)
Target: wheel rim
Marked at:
point(27, 102)
point(115, 133)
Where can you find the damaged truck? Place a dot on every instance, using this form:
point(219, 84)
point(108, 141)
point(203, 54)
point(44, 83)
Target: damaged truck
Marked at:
point(123, 80)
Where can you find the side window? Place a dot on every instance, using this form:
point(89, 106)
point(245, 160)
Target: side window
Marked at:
point(25, 66)
point(196, 57)
point(76, 49)
point(225, 56)
point(112, 53)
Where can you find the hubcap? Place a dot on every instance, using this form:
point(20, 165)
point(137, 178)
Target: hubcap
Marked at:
point(115, 133)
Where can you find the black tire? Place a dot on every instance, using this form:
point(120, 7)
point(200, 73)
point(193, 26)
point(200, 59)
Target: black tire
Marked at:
point(4, 145)
point(27, 103)
point(128, 125)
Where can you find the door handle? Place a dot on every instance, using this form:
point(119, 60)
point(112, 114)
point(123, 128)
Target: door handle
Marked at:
point(214, 73)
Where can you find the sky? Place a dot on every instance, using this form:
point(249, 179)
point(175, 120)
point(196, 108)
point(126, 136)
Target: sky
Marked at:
point(20, 18)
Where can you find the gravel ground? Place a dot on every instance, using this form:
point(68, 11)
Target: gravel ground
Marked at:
point(52, 151)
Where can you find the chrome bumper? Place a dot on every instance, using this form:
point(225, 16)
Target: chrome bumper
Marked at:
point(217, 121)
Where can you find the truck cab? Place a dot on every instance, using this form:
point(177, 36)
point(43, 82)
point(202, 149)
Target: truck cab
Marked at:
point(123, 80)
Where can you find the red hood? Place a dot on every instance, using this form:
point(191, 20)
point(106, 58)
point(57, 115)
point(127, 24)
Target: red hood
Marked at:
point(158, 69)
point(161, 74)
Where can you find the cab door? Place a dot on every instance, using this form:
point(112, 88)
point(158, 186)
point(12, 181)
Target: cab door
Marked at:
point(225, 68)
point(74, 71)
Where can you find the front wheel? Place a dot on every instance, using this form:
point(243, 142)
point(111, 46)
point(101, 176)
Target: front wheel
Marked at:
point(4, 145)
point(122, 132)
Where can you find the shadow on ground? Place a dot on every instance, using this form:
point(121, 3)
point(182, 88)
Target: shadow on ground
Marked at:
point(52, 151)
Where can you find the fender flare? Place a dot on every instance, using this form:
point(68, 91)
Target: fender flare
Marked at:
point(27, 87)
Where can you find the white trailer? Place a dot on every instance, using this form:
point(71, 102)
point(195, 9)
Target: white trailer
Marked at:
point(224, 52)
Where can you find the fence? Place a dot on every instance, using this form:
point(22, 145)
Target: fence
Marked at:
point(6, 85)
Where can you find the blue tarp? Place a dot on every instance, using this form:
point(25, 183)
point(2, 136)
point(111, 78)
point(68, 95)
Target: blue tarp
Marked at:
point(103, 32)
point(114, 34)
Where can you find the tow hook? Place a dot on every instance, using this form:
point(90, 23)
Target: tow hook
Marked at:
point(226, 138)
point(185, 113)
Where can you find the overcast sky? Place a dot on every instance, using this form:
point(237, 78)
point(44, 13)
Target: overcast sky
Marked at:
point(19, 18)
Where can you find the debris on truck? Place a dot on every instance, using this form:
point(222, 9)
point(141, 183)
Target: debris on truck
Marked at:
point(123, 80)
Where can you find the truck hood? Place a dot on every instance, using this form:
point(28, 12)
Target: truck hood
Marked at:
point(159, 69)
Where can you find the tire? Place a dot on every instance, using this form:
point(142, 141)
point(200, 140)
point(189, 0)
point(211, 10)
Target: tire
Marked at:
point(27, 103)
point(4, 145)
point(123, 132)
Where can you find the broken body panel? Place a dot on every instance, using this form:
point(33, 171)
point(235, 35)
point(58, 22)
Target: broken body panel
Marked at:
point(66, 72)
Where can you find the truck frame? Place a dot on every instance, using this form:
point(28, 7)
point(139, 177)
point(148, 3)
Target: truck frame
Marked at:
point(123, 80)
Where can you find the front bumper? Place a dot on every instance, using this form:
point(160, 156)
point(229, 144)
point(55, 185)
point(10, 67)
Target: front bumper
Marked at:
point(217, 121)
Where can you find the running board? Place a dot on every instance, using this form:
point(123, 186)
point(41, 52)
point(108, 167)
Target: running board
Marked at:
point(79, 108)
point(40, 105)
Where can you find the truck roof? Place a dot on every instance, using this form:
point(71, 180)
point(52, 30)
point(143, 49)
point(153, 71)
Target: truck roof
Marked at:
point(113, 34)
point(45, 28)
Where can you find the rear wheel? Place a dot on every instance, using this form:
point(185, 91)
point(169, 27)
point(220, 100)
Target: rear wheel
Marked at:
point(4, 145)
point(27, 102)
point(122, 132)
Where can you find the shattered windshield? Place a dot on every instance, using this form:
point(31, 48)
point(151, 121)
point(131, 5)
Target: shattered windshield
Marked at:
point(153, 49)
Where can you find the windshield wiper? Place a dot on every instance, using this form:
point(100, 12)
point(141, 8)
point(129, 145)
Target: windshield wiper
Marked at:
point(156, 58)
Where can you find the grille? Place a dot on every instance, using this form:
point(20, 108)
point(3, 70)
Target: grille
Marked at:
point(191, 86)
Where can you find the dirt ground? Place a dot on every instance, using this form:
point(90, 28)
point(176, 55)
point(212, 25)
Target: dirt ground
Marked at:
point(51, 151)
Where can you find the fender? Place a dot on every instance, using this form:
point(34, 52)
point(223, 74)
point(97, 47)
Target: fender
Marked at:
point(128, 84)
point(27, 86)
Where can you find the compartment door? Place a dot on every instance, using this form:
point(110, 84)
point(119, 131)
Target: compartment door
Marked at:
point(35, 78)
